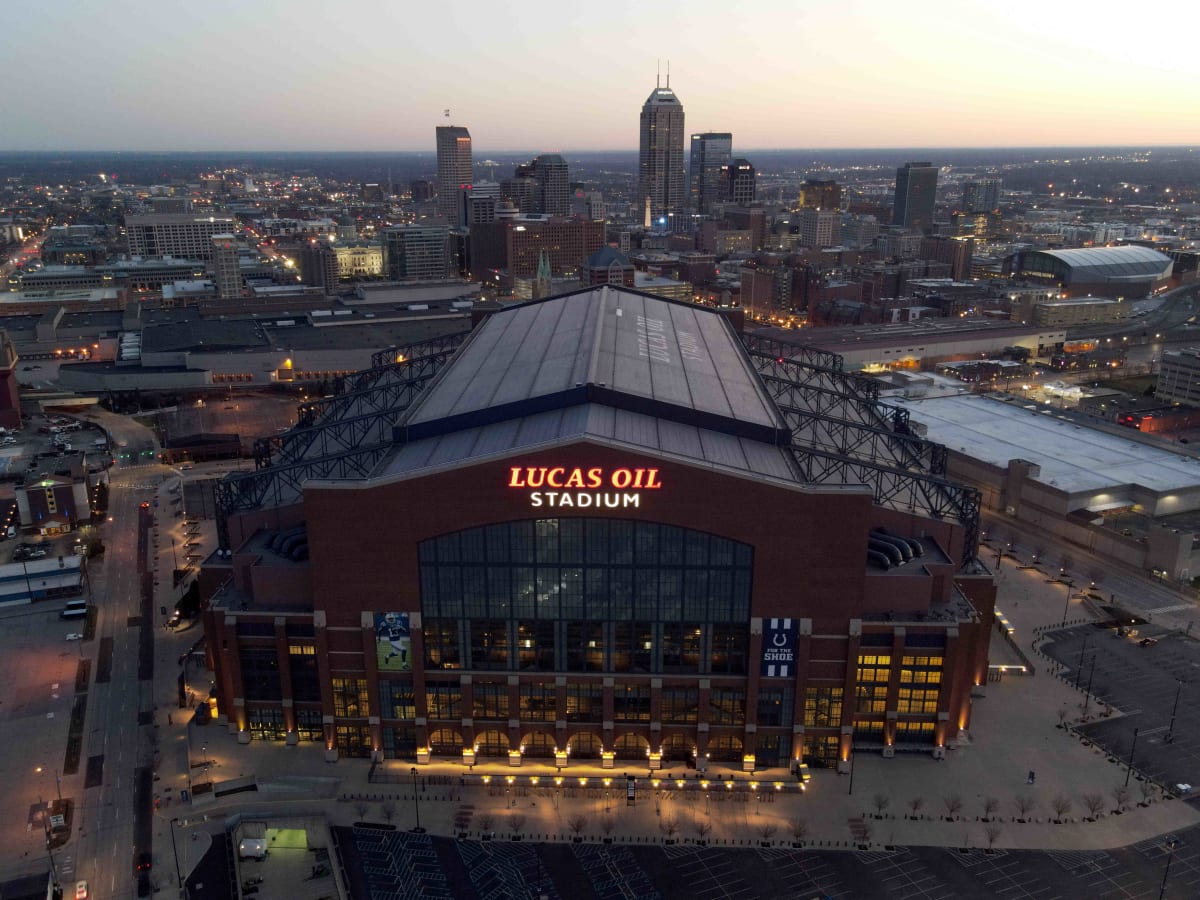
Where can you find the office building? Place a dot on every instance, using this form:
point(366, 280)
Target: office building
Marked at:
point(819, 227)
point(416, 252)
point(738, 182)
point(662, 181)
point(319, 265)
point(226, 267)
point(916, 190)
point(711, 151)
point(175, 234)
point(454, 169)
point(608, 265)
point(816, 193)
point(549, 170)
point(521, 190)
point(477, 202)
point(981, 195)
point(594, 536)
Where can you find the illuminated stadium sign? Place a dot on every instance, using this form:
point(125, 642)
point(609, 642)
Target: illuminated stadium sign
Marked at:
point(584, 488)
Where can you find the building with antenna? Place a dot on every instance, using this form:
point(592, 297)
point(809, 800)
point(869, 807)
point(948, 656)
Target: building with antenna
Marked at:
point(662, 180)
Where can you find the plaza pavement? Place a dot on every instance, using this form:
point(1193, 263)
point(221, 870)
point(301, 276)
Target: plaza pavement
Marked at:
point(1013, 731)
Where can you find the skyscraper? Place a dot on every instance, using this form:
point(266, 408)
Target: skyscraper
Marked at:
point(661, 177)
point(454, 168)
point(916, 189)
point(225, 266)
point(981, 195)
point(554, 184)
point(710, 151)
point(738, 181)
point(416, 252)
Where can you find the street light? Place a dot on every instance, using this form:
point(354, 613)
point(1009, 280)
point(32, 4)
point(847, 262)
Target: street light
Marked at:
point(1132, 747)
point(1067, 605)
point(416, 803)
point(1172, 842)
point(1171, 728)
point(1087, 698)
point(1079, 668)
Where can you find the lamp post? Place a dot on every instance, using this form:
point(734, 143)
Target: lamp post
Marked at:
point(1079, 668)
point(416, 803)
point(1067, 605)
point(1087, 698)
point(1132, 747)
point(1171, 728)
point(1172, 842)
point(175, 854)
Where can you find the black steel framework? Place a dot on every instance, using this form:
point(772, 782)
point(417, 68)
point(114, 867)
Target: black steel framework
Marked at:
point(343, 436)
point(841, 433)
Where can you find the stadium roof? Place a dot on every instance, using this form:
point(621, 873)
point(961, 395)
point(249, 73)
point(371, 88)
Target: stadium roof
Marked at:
point(610, 365)
point(683, 361)
point(1105, 263)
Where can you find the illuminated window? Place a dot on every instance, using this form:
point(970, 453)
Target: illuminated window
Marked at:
point(350, 698)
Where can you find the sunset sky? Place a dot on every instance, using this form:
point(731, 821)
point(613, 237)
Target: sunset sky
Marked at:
point(538, 75)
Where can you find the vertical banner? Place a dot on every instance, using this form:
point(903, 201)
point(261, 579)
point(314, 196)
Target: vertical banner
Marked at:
point(779, 648)
point(393, 642)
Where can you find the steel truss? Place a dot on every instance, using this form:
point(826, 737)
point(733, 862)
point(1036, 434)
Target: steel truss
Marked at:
point(843, 434)
point(393, 354)
point(343, 436)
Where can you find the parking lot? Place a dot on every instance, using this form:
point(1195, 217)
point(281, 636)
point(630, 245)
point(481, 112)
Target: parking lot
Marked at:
point(1142, 681)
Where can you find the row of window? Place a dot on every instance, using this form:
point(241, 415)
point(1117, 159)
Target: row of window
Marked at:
point(595, 569)
point(586, 646)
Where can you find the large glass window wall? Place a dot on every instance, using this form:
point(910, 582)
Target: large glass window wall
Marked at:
point(586, 595)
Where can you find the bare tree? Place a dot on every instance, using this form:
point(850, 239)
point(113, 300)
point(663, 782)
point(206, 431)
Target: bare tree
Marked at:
point(1147, 789)
point(607, 824)
point(516, 824)
point(1065, 565)
point(767, 830)
point(882, 801)
point(1095, 576)
point(669, 826)
point(1039, 553)
point(577, 823)
point(1063, 714)
point(990, 805)
point(1094, 803)
point(360, 807)
point(993, 831)
point(914, 805)
point(486, 822)
point(1024, 804)
point(865, 830)
point(388, 808)
point(799, 830)
point(702, 827)
point(1120, 795)
point(953, 805)
point(1062, 806)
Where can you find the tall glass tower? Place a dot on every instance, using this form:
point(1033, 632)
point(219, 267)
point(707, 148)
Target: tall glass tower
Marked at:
point(454, 168)
point(916, 189)
point(710, 151)
point(662, 181)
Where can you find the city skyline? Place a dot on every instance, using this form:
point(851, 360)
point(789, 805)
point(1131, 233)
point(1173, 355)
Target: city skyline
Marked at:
point(860, 74)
